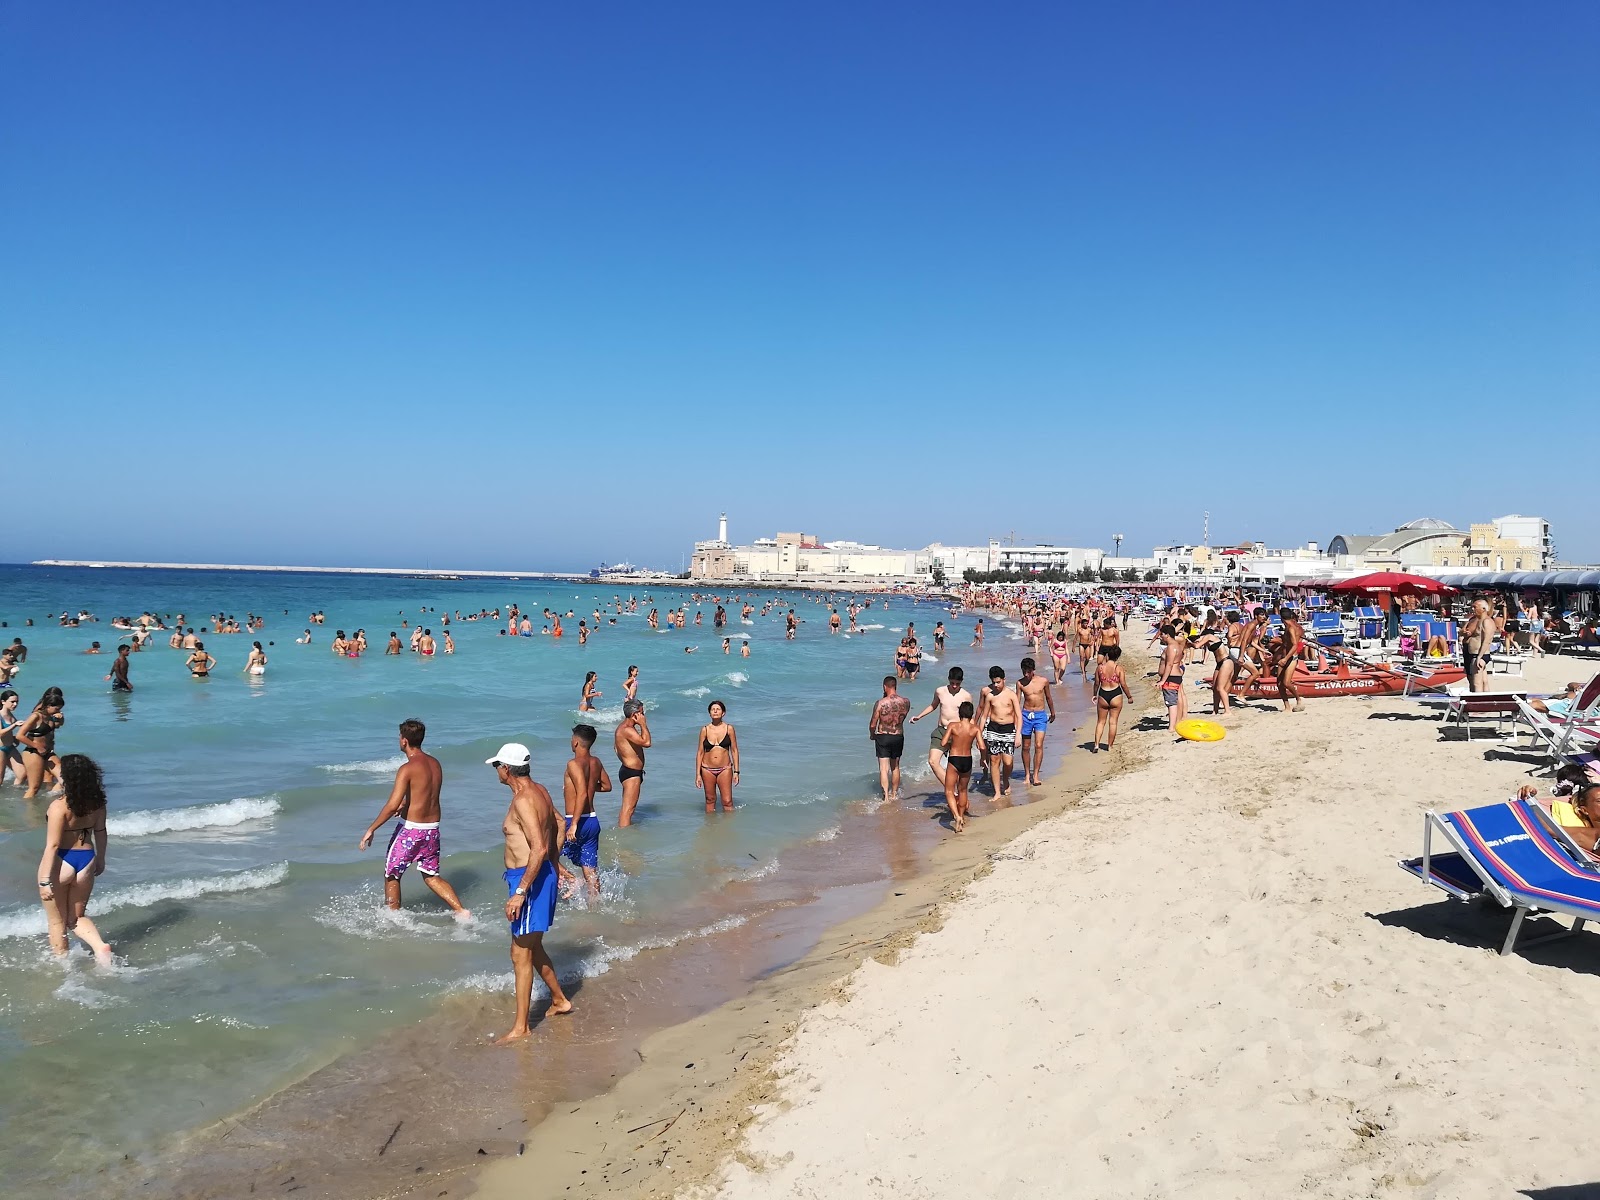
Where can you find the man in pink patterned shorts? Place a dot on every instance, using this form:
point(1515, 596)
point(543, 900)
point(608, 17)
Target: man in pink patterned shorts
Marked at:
point(415, 800)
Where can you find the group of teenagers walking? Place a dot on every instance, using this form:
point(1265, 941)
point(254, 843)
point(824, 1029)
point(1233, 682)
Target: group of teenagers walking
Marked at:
point(981, 733)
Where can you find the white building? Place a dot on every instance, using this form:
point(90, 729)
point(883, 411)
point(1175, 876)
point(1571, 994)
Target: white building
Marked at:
point(1029, 559)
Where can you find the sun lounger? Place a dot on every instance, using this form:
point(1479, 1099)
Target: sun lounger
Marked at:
point(1507, 664)
point(1515, 854)
point(1326, 629)
point(1502, 707)
point(1575, 732)
point(1369, 621)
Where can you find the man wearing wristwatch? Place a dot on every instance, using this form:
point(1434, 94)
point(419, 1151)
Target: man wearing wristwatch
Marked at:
point(533, 849)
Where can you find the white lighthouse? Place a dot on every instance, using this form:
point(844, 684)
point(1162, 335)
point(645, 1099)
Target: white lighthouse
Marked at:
point(722, 529)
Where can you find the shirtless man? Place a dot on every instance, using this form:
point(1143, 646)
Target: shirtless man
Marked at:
point(1477, 642)
point(886, 728)
point(119, 671)
point(425, 645)
point(631, 740)
point(533, 852)
point(415, 800)
point(1249, 667)
point(1038, 712)
point(1174, 650)
point(394, 646)
point(585, 775)
point(947, 700)
point(977, 633)
point(1086, 642)
point(998, 713)
point(1288, 660)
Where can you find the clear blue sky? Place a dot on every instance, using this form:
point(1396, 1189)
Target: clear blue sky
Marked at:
point(504, 285)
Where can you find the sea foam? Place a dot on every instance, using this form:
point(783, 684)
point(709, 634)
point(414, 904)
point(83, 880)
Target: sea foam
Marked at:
point(29, 922)
point(371, 766)
point(197, 816)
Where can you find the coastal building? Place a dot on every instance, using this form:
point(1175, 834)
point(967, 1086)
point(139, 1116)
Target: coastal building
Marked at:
point(1035, 559)
point(1407, 548)
point(1511, 543)
point(801, 558)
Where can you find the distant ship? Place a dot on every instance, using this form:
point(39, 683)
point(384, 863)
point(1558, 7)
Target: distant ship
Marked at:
point(621, 568)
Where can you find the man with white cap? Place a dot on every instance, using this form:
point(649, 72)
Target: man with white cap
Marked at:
point(533, 849)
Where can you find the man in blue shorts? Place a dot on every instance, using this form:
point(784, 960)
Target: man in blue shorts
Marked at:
point(533, 841)
point(1038, 710)
point(585, 776)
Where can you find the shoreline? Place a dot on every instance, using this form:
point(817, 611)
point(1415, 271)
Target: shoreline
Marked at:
point(1210, 980)
point(710, 1071)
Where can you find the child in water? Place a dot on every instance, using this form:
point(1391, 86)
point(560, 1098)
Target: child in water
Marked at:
point(957, 745)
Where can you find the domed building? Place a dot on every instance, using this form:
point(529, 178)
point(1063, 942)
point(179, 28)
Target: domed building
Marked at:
point(1410, 547)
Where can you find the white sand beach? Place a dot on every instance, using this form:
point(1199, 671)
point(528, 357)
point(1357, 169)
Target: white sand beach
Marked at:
point(1203, 976)
point(1210, 980)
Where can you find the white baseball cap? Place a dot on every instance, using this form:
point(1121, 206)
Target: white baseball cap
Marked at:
point(512, 754)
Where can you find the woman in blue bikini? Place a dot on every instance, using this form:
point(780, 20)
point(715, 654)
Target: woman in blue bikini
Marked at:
point(74, 856)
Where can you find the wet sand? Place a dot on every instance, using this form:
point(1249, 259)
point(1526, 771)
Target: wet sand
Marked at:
point(696, 1086)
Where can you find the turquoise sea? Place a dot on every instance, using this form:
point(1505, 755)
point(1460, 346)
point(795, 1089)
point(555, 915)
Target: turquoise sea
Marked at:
point(253, 945)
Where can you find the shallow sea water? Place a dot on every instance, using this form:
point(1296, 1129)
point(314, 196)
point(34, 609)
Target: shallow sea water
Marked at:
point(254, 948)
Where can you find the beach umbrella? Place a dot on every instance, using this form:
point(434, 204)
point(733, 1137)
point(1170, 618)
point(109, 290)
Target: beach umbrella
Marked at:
point(1394, 583)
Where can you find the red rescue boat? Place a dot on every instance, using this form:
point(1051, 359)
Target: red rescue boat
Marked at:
point(1360, 679)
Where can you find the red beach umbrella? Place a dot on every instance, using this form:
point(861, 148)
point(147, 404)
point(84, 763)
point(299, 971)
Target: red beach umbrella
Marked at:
point(1396, 583)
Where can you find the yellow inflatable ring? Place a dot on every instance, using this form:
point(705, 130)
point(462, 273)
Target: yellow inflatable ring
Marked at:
point(1196, 730)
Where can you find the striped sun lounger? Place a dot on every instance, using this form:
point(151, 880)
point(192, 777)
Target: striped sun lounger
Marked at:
point(1518, 856)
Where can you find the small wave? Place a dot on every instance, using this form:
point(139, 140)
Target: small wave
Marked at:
point(760, 871)
point(370, 766)
point(828, 834)
point(590, 966)
point(611, 715)
point(31, 923)
point(735, 679)
point(928, 658)
point(864, 628)
point(796, 801)
point(76, 991)
point(363, 914)
point(695, 692)
point(198, 816)
point(892, 628)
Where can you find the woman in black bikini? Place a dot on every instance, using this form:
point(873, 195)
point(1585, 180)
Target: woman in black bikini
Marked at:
point(74, 856)
point(716, 758)
point(36, 740)
point(1110, 688)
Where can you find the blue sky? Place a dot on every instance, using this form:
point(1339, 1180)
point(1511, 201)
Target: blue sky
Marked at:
point(510, 285)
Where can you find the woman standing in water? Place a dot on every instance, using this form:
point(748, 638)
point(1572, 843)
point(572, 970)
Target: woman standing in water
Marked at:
point(630, 685)
point(74, 856)
point(256, 664)
point(716, 758)
point(590, 692)
point(10, 752)
point(36, 739)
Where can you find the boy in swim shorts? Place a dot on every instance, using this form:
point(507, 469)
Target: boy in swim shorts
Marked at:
point(585, 776)
point(1038, 710)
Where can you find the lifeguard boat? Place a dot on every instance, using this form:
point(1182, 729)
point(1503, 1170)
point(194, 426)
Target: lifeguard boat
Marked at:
point(1345, 676)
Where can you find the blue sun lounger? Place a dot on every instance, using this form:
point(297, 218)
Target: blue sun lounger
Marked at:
point(1326, 629)
point(1369, 621)
point(1515, 854)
